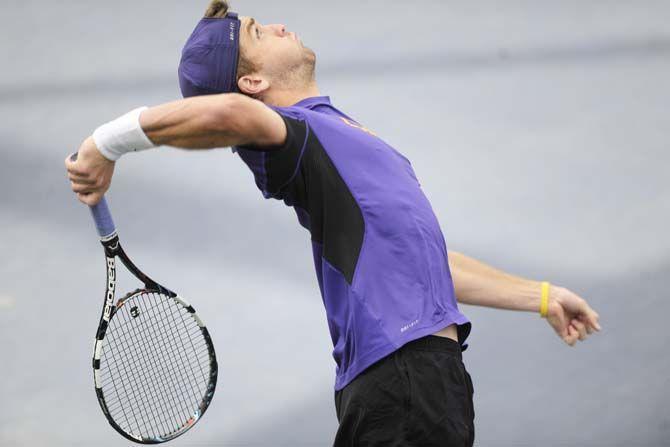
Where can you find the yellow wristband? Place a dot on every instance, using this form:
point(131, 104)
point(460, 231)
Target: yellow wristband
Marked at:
point(544, 301)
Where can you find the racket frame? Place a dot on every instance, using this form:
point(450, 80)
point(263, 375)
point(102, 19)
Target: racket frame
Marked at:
point(113, 249)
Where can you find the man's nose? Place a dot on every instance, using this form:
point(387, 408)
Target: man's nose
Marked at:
point(278, 29)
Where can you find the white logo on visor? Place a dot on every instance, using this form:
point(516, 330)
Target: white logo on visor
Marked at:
point(232, 31)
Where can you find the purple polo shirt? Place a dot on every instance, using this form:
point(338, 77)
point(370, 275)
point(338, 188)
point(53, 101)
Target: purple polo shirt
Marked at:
point(379, 254)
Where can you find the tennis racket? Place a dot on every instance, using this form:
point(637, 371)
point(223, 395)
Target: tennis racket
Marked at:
point(154, 365)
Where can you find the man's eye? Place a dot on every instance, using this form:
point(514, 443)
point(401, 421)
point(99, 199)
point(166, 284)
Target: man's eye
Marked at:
point(258, 33)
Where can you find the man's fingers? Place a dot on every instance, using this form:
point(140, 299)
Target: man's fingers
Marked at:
point(89, 199)
point(71, 166)
point(82, 189)
point(590, 323)
point(590, 318)
point(77, 178)
point(581, 329)
point(574, 334)
point(82, 198)
point(571, 338)
point(78, 172)
point(593, 320)
point(68, 162)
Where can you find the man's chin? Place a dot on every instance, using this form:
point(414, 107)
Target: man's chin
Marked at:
point(309, 54)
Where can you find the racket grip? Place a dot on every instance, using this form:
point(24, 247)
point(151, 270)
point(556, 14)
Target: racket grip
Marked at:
point(103, 219)
point(101, 215)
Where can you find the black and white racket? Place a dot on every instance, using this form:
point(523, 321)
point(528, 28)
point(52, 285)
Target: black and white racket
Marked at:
point(154, 364)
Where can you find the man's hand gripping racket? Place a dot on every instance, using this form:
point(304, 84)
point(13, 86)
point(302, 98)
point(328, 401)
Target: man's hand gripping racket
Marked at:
point(154, 364)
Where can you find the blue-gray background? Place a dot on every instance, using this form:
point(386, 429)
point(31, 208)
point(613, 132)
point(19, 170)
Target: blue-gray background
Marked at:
point(538, 129)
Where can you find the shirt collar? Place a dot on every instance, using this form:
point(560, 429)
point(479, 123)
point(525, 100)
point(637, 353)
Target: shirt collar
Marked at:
point(314, 101)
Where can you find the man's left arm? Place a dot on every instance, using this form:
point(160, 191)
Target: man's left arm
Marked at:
point(479, 284)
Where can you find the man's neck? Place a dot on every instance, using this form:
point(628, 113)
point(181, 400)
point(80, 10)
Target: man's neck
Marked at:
point(286, 98)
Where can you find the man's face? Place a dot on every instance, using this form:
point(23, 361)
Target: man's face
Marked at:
point(278, 53)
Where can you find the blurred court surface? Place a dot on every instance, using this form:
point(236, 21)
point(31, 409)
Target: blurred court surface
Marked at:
point(539, 131)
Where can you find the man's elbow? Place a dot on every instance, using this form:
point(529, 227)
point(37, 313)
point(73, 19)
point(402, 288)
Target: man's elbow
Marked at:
point(454, 254)
point(245, 120)
point(224, 114)
point(455, 260)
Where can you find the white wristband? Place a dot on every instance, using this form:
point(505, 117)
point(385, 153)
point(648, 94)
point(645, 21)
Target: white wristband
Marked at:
point(122, 135)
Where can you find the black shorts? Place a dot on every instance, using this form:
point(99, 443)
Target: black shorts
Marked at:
point(421, 395)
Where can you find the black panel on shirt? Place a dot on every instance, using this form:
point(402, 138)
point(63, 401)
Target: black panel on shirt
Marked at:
point(335, 219)
point(281, 164)
point(281, 160)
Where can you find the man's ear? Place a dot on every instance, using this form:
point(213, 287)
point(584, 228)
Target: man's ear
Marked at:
point(253, 85)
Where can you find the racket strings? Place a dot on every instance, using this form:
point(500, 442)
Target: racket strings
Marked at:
point(125, 394)
point(145, 371)
point(188, 361)
point(155, 366)
point(170, 379)
point(128, 396)
point(200, 349)
point(170, 376)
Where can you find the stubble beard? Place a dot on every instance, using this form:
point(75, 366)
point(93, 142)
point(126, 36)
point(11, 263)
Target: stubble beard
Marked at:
point(301, 73)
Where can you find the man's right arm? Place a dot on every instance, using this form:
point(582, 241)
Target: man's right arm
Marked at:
point(211, 121)
point(194, 123)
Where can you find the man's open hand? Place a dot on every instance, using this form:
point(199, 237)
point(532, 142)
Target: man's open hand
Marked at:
point(90, 173)
point(571, 316)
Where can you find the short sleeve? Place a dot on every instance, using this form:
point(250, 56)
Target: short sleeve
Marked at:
point(274, 167)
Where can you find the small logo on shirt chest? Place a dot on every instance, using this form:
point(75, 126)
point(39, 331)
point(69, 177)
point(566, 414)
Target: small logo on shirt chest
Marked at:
point(358, 126)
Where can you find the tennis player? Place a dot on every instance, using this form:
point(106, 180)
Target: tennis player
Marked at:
point(389, 286)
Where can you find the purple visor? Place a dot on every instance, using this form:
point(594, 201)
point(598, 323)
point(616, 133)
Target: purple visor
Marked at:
point(209, 59)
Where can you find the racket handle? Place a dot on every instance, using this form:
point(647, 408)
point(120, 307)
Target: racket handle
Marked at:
point(101, 215)
point(103, 219)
